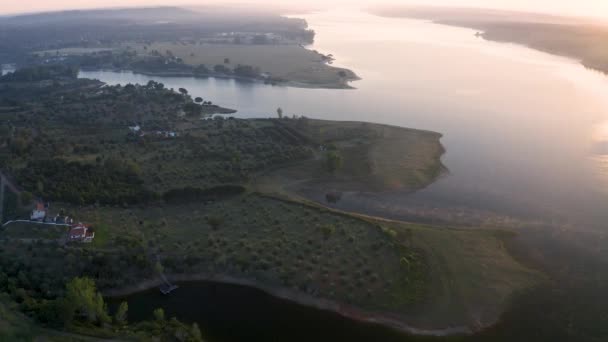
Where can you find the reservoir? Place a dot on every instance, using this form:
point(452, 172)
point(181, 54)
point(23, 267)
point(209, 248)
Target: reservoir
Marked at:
point(525, 132)
point(526, 138)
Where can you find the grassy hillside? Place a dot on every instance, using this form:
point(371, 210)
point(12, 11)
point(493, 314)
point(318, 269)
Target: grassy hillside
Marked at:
point(371, 158)
point(428, 276)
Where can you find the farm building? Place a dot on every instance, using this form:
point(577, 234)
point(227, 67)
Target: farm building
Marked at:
point(39, 212)
point(81, 233)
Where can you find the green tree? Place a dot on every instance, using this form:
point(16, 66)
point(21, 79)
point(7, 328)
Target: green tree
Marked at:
point(159, 315)
point(86, 303)
point(198, 100)
point(196, 333)
point(215, 221)
point(158, 267)
point(280, 112)
point(333, 161)
point(121, 314)
point(26, 198)
point(183, 91)
point(201, 69)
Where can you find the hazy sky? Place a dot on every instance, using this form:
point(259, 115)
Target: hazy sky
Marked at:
point(597, 8)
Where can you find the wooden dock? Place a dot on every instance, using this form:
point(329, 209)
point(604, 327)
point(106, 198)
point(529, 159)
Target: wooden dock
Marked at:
point(168, 288)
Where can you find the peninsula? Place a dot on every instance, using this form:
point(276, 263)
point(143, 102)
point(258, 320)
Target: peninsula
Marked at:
point(170, 192)
point(208, 41)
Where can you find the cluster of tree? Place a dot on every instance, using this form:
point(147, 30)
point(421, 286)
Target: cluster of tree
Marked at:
point(11, 206)
point(40, 73)
point(159, 64)
point(191, 194)
point(246, 71)
point(82, 306)
point(333, 161)
point(34, 276)
point(193, 109)
point(25, 34)
point(113, 182)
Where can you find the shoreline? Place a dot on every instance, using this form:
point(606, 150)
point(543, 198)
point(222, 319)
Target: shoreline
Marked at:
point(345, 85)
point(509, 31)
point(344, 310)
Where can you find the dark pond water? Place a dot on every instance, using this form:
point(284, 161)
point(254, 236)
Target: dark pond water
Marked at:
point(237, 313)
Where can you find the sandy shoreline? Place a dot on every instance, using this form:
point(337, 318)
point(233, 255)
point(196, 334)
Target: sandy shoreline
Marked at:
point(348, 311)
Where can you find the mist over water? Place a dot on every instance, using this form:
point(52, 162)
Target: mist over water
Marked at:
point(525, 132)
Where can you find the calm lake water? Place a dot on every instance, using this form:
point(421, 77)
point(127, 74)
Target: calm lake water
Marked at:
point(523, 129)
point(526, 135)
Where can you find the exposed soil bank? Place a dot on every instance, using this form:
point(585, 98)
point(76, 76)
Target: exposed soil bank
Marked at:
point(348, 311)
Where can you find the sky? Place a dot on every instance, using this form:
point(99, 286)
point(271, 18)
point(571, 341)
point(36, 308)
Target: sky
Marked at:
point(596, 8)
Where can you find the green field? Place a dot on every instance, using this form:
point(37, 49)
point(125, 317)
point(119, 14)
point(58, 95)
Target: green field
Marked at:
point(297, 65)
point(293, 64)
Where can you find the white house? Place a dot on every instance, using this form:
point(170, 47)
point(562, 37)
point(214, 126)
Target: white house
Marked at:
point(39, 212)
point(135, 129)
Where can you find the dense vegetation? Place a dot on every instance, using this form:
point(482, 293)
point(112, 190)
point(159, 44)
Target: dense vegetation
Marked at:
point(96, 158)
point(173, 192)
point(22, 35)
point(113, 182)
point(40, 73)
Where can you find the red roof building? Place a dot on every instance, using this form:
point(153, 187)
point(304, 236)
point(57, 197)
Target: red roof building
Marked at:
point(81, 233)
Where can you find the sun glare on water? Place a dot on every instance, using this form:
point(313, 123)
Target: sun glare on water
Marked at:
point(600, 133)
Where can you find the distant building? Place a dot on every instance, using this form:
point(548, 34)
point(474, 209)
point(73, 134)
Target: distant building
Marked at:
point(166, 134)
point(135, 129)
point(63, 219)
point(81, 233)
point(39, 212)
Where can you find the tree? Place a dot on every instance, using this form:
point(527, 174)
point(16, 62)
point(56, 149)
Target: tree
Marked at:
point(201, 69)
point(121, 315)
point(198, 100)
point(280, 112)
point(192, 109)
point(196, 332)
point(215, 221)
point(26, 198)
point(183, 91)
point(159, 315)
point(85, 302)
point(246, 71)
point(333, 161)
point(260, 39)
point(158, 267)
point(226, 60)
point(220, 69)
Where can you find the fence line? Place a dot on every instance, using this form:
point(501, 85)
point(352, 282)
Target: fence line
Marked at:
point(36, 222)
